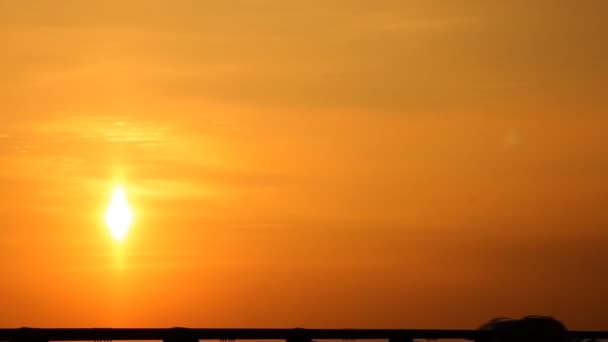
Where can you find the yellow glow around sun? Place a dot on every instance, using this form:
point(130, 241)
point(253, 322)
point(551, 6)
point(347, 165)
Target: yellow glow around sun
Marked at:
point(118, 216)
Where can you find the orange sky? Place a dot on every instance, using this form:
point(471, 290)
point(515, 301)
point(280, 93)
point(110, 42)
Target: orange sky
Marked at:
point(318, 163)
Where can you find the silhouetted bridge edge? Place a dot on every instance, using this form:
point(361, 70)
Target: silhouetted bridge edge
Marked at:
point(289, 335)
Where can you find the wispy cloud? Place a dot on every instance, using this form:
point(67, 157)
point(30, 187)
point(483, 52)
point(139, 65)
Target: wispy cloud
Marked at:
point(105, 129)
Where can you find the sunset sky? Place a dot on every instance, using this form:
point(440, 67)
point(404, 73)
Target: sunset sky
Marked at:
point(347, 163)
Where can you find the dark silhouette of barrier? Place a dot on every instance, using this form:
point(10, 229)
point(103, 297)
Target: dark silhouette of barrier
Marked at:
point(528, 329)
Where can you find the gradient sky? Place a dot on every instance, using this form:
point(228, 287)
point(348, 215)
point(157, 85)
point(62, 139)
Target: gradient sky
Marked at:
point(304, 163)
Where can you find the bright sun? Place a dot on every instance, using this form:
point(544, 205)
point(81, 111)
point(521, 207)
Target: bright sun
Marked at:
point(118, 216)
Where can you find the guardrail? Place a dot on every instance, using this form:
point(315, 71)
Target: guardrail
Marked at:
point(289, 335)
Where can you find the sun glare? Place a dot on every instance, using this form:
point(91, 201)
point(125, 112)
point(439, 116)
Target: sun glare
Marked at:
point(118, 216)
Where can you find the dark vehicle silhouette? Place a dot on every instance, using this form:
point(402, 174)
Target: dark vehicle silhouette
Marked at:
point(527, 329)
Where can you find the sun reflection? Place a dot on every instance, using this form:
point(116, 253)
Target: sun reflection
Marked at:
point(118, 215)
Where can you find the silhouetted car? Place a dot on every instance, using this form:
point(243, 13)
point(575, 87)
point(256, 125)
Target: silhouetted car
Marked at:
point(527, 329)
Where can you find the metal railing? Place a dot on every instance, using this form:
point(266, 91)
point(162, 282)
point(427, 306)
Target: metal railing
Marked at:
point(288, 335)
